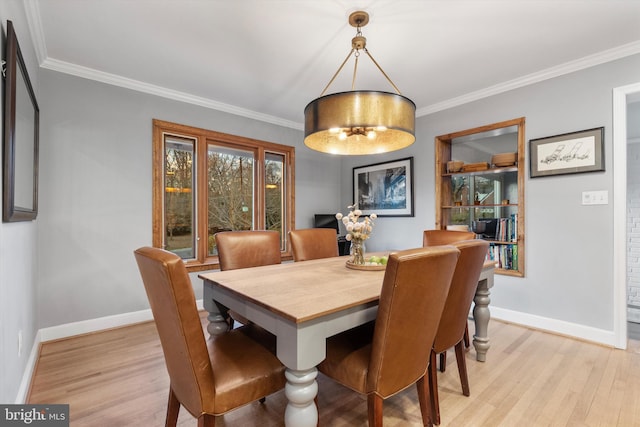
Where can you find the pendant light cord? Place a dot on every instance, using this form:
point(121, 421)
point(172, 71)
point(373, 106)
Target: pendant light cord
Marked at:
point(358, 42)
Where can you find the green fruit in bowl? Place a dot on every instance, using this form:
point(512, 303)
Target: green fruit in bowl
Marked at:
point(374, 260)
point(383, 260)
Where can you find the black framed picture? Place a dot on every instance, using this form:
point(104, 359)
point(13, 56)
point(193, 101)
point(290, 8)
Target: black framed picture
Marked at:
point(385, 189)
point(20, 142)
point(574, 152)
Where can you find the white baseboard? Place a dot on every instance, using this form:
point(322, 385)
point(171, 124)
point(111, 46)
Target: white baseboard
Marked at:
point(77, 328)
point(587, 333)
point(99, 324)
point(21, 397)
point(93, 325)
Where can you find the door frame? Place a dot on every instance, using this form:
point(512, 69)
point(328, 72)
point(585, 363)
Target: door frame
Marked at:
point(620, 100)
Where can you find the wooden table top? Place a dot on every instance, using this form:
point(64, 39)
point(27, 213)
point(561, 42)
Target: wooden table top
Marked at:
point(302, 291)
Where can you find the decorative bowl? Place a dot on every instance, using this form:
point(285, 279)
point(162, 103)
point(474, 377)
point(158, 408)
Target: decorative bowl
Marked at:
point(454, 166)
point(365, 267)
point(504, 159)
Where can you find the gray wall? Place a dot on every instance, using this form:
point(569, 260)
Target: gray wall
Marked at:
point(95, 197)
point(18, 263)
point(569, 247)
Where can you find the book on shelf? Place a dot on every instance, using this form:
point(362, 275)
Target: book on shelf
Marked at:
point(505, 256)
point(507, 229)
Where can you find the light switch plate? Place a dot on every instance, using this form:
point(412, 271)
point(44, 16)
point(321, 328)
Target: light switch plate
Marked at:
point(595, 197)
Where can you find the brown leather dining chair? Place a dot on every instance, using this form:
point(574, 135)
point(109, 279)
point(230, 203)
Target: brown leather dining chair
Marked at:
point(207, 377)
point(313, 243)
point(245, 249)
point(453, 323)
point(383, 358)
point(445, 237)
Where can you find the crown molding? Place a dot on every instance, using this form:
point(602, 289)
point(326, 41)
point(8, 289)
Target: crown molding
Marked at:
point(112, 79)
point(32, 12)
point(560, 70)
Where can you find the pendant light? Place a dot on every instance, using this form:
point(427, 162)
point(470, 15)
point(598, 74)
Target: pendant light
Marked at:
point(359, 121)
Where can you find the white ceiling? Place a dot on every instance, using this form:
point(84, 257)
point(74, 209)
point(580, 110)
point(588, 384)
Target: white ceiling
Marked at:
point(267, 59)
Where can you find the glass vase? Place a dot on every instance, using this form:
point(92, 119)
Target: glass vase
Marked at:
point(357, 251)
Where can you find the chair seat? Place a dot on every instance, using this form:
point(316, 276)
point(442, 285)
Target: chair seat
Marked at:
point(239, 360)
point(348, 355)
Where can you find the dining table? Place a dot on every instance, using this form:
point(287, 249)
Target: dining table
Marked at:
point(303, 304)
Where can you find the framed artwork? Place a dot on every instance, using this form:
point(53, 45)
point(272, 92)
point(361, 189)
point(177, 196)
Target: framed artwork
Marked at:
point(575, 152)
point(385, 189)
point(20, 140)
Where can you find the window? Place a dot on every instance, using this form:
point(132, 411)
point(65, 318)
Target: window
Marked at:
point(205, 182)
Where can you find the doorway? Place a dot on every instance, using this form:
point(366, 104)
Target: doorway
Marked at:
point(624, 99)
point(633, 216)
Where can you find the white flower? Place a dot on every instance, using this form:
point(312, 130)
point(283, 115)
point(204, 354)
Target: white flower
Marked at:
point(356, 228)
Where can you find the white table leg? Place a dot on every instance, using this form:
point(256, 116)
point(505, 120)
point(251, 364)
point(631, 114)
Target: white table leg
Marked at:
point(481, 317)
point(301, 390)
point(217, 322)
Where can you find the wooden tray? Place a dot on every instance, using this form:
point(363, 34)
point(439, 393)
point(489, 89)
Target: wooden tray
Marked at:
point(473, 167)
point(376, 267)
point(504, 164)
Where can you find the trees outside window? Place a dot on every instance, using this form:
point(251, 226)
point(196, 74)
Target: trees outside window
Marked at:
point(205, 182)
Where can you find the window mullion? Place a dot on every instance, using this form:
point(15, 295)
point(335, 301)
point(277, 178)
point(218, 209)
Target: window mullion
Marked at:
point(259, 190)
point(158, 188)
point(201, 204)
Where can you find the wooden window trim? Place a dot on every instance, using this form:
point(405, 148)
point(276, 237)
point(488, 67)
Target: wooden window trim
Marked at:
point(203, 138)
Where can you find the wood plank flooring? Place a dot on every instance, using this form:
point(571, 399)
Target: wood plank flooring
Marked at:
point(531, 378)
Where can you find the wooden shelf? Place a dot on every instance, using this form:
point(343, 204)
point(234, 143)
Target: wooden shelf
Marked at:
point(479, 206)
point(504, 272)
point(483, 172)
point(488, 185)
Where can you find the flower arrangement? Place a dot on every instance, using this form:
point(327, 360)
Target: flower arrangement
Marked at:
point(358, 230)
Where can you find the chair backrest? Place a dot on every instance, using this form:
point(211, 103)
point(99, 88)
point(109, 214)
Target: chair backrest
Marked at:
point(173, 305)
point(414, 290)
point(445, 237)
point(463, 287)
point(244, 249)
point(313, 243)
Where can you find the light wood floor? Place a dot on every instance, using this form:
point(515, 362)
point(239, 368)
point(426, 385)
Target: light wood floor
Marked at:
point(531, 378)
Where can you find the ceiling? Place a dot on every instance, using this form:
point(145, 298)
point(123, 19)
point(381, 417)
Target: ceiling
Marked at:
point(267, 59)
